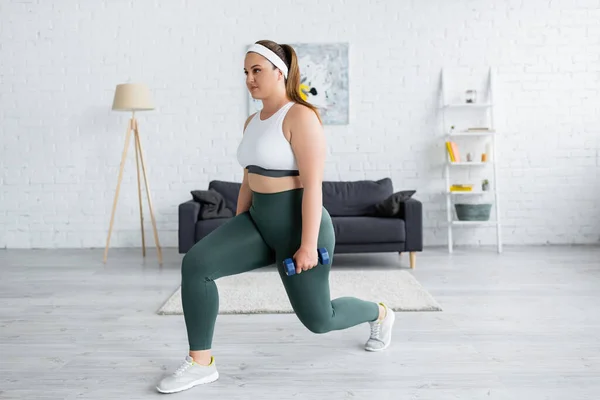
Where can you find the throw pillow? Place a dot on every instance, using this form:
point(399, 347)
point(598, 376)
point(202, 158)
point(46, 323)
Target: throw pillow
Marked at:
point(229, 190)
point(213, 204)
point(391, 206)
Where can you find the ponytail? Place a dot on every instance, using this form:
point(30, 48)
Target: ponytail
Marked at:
point(292, 85)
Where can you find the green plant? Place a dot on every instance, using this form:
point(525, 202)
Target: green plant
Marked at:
point(485, 184)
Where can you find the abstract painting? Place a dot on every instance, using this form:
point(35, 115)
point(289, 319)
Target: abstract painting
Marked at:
point(323, 80)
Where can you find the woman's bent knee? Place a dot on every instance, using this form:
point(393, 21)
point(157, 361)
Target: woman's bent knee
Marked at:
point(317, 325)
point(195, 265)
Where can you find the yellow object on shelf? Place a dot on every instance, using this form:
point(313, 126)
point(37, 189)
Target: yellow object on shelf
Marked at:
point(453, 153)
point(449, 149)
point(461, 188)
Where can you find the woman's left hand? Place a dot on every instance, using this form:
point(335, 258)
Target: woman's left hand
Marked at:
point(305, 259)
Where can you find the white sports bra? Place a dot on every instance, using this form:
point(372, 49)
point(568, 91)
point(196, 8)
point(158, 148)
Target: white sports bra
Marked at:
point(264, 149)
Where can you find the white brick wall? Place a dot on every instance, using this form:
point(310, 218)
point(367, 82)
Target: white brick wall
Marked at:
point(61, 143)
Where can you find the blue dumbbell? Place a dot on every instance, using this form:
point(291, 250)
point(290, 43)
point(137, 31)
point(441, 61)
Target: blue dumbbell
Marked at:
point(290, 267)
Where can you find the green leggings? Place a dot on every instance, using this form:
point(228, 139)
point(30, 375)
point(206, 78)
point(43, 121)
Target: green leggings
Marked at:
point(269, 232)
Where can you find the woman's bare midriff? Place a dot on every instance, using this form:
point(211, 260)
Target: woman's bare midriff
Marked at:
point(269, 184)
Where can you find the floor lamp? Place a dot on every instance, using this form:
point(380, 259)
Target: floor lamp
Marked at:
point(133, 97)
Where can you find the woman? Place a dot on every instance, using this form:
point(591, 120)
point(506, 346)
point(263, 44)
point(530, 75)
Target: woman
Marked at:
point(279, 214)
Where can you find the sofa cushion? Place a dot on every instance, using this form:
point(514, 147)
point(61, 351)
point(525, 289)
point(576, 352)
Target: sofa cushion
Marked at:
point(340, 198)
point(229, 190)
point(368, 230)
point(355, 198)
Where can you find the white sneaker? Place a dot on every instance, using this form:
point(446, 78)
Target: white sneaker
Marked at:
point(381, 331)
point(188, 375)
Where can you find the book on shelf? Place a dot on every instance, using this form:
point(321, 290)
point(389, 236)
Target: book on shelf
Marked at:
point(461, 188)
point(452, 149)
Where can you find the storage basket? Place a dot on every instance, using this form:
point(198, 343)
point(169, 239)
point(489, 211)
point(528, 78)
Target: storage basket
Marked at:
point(473, 212)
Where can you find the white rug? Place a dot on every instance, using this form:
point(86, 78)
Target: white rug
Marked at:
point(261, 291)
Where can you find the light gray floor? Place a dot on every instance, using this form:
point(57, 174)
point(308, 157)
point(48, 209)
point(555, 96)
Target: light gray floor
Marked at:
point(524, 324)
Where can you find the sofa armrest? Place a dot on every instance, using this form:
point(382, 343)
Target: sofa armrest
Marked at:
point(411, 211)
point(189, 213)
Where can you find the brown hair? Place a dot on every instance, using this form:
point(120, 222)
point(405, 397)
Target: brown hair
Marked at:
point(292, 84)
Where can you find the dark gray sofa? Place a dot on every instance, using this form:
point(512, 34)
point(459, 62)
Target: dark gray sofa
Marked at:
point(367, 215)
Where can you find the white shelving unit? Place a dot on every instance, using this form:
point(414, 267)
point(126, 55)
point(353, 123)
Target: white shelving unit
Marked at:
point(490, 136)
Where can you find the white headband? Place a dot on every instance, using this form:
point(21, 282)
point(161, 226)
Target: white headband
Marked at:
point(269, 55)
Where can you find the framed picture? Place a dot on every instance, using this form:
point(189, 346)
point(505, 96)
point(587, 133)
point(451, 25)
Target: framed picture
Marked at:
point(323, 80)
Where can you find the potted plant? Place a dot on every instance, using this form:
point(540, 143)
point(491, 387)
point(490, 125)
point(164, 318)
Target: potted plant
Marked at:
point(485, 185)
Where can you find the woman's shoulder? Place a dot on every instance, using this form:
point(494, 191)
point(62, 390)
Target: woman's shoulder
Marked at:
point(300, 112)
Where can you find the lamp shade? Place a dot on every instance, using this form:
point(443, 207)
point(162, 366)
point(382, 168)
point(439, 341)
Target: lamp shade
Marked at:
point(132, 97)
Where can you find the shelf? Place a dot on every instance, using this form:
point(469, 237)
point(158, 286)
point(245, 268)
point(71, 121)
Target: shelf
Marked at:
point(462, 135)
point(472, 193)
point(474, 223)
point(470, 163)
point(471, 133)
point(468, 105)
